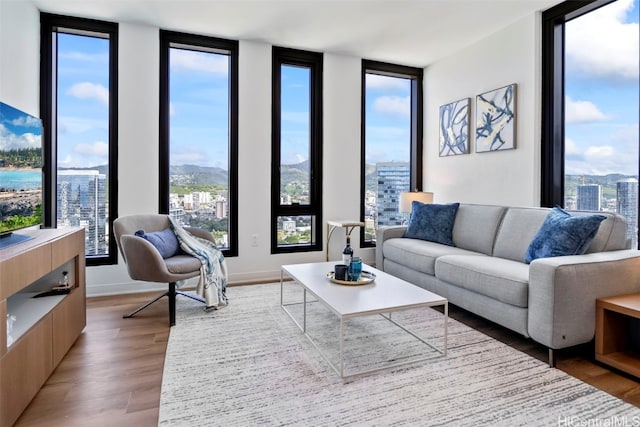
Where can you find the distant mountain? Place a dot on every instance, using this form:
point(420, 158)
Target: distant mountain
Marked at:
point(298, 172)
point(198, 175)
point(207, 175)
point(607, 182)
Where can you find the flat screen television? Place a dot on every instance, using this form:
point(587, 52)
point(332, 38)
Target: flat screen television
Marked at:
point(20, 174)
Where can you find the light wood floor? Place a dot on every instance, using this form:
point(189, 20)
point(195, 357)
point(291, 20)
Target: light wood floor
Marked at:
point(112, 375)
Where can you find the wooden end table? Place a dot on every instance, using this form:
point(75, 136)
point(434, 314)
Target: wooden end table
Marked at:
point(618, 332)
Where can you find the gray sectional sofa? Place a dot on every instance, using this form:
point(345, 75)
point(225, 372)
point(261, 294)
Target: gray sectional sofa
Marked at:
point(551, 300)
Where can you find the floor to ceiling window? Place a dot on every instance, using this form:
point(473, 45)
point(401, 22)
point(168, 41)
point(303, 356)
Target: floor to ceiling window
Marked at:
point(296, 171)
point(592, 108)
point(391, 142)
point(79, 110)
point(198, 134)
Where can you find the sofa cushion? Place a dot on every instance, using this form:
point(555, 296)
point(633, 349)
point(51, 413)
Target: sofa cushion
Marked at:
point(432, 222)
point(612, 234)
point(418, 255)
point(562, 234)
point(476, 227)
point(518, 227)
point(498, 278)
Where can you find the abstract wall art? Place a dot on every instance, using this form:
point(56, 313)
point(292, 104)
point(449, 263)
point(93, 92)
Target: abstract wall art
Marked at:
point(454, 128)
point(495, 119)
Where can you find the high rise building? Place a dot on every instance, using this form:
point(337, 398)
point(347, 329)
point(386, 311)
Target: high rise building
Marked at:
point(82, 202)
point(393, 178)
point(627, 206)
point(588, 197)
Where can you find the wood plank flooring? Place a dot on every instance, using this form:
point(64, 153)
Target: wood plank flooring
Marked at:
point(113, 373)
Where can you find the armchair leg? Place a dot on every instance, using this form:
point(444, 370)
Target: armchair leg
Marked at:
point(139, 309)
point(171, 294)
point(172, 303)
point(193, 297)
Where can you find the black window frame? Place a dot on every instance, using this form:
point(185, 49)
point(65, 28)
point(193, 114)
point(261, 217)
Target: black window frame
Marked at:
point(553, 96)
point(314, 61)
point(50, 23)
point(416, 76)
point(185, 40)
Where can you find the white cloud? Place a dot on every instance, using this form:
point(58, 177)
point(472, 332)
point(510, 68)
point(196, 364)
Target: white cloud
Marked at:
point(581, 111)
point(199, 61)
point(96, 149)
point(85, 154)
point(396, 105)
point(74, 125)
point(10, 140)
point(617, 154)
point(571, 149)
point(86, 57)
point(172, 109)
point(602, 44)
point(376, 81)
point(87, 90)
point(26, 121)
point(187, 157)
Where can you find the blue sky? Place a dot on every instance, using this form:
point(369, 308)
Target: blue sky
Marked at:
point(83, 101)
point(388, 119)
point(18, 129)
point(601, 104)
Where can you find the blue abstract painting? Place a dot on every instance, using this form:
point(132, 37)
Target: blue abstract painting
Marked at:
point(495, 119)
point(454, 128)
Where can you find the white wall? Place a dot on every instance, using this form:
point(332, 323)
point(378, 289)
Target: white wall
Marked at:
point(20, 56)
point(507, 177)
point(510, 177)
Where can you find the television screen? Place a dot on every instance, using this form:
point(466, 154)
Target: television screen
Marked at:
point(20, 171)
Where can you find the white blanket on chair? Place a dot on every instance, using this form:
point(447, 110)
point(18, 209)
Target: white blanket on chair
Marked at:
point(212, 284)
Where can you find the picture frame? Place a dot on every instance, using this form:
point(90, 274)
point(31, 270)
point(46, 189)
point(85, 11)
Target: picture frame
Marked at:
point(454, 128)
point(496, 119)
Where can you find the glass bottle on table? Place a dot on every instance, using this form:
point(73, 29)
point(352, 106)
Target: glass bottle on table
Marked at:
point(347, 252)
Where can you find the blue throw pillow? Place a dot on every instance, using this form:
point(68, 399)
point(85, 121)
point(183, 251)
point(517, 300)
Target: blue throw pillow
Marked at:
point(432, 222)
point(562, 234)
point(165, 241)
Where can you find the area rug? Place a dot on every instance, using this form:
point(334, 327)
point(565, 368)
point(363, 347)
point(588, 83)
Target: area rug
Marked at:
point(248, 364)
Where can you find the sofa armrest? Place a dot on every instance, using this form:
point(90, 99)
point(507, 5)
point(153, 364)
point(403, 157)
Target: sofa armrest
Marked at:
point(382, 234)
point(563, 293)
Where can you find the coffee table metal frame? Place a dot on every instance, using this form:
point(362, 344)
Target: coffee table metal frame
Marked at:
point(429, 300)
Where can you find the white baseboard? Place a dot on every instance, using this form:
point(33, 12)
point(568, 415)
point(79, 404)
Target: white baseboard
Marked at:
point(107, 289)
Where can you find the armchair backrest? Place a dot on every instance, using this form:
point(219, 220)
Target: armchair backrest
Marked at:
point(132, 223)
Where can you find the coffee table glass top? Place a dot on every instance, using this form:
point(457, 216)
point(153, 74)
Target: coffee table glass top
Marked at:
point(386, 293)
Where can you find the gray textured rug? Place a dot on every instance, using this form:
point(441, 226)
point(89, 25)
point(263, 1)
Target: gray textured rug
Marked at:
point(248, 364)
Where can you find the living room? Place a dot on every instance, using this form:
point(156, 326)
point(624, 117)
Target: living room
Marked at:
point(507, 51)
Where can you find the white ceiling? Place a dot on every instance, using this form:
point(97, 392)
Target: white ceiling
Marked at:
point(409, 32)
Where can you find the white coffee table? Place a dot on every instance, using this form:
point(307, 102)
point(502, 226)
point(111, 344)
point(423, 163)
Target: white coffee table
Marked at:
point(387, 294)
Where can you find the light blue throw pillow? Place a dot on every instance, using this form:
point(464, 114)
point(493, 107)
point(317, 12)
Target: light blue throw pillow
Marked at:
point(165, 241)
point(432, 222)
point(562, 234)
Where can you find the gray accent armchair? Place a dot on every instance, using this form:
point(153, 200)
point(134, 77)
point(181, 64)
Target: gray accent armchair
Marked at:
point(145, 263)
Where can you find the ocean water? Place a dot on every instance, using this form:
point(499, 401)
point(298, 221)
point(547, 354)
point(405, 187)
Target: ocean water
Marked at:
point(20, 179)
